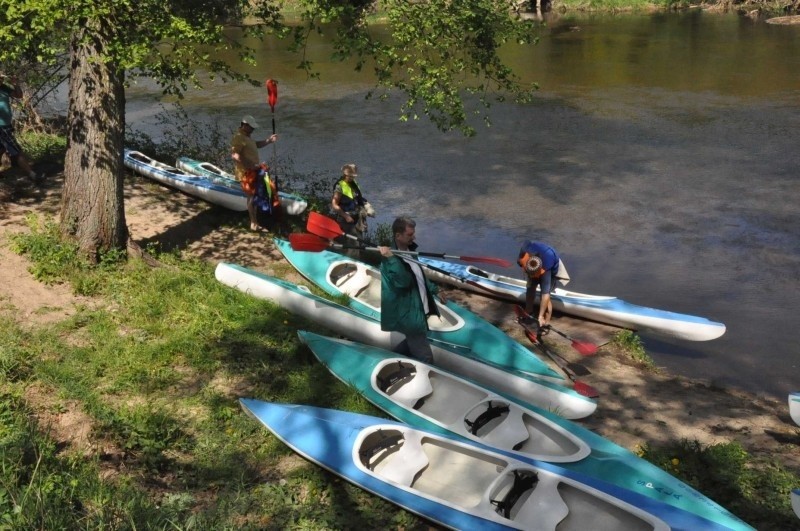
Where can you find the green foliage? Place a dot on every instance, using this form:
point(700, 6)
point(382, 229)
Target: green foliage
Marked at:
point(53, 260)
point(759, 492)
point(631, 343)
point(43, 147)
point(184, 136)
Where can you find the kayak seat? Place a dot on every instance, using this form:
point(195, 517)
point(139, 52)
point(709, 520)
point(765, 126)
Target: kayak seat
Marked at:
point(412, 392)
point(356, 284)
point(511, 433)
point(545, 494)
point(404, 466)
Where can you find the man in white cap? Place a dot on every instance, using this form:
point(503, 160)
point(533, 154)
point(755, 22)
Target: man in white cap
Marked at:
point(244, 151)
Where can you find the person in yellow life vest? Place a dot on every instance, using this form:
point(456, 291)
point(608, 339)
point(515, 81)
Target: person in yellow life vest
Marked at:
point(246, 163)
point(542, 267)
point(348, 205)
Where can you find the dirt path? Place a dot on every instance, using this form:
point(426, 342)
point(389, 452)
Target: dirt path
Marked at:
point(636, 406)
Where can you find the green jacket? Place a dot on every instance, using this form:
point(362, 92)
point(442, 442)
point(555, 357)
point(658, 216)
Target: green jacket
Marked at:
point(401, 305)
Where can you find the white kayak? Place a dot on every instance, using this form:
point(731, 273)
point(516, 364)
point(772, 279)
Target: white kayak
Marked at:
point(794, 406)
point(529, 388)
point(291, 204)
point(224, 195)
point(601, 308)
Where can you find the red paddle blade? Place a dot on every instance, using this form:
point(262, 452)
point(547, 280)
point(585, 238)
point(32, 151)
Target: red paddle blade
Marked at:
point(486, 260)
point(586, 349)
point(272, 93)
point(307, 242)
point(585, 389)
point(323, 226)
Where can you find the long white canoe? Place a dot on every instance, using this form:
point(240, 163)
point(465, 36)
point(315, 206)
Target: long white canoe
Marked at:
point(601, 308)
point(292, 204)
point(198, 186)
point(299, 300)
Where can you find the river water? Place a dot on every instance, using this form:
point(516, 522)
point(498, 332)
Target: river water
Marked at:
point(660, 157)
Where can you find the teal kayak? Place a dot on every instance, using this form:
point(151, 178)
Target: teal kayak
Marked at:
point(337, 274)
point(470, 365)
point(432, 399)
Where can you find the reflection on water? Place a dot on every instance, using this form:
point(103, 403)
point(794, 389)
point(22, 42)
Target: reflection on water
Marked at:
point(660, 158)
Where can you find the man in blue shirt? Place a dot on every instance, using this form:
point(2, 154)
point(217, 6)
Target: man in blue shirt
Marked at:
point(9, 88)
point(543, 268)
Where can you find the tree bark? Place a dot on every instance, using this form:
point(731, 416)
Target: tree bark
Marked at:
point(92, 206)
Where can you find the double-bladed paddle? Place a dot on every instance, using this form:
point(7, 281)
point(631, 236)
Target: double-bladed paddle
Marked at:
point(303, 241)
point(582, 347)
point(326, 227)
point(272, 100)
point(570, 369)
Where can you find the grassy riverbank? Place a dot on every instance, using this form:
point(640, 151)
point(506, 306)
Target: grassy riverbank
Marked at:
point(123, 414)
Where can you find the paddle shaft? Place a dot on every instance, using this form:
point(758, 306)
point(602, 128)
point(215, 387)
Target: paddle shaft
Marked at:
point(576, 368)
point(579, 386)
point(584, 348)
point(326, 227)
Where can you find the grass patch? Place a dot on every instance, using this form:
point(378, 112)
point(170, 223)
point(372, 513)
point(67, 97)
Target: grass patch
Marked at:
point(726, 474)
point(631, 344)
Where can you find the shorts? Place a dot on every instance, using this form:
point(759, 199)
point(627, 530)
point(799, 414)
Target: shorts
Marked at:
point(9, 143)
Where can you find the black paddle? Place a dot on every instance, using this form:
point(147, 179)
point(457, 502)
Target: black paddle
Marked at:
point(326, 227)
point(571, 370)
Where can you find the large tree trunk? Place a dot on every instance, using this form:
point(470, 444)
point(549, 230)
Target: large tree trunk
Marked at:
point(92, 208)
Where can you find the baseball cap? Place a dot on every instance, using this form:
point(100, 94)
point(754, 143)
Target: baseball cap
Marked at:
point(249, 120)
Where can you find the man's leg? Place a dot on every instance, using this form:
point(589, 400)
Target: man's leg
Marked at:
point(419, 347)
point(251, 212)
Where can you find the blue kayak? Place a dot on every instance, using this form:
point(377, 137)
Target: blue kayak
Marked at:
point(431, 398)
point(292, 204)
point(222, 194)
point(458, 484)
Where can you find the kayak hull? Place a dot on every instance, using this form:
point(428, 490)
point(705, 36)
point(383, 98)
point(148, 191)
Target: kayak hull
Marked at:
point(604, 309)
point(505, 381)
point(434, 399)
point(194, 185)
point(794, 406)
point(292, 204)
point(337, 274)
point(430, 398)
point(457, 484)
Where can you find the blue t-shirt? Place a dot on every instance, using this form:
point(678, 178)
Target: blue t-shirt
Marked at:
point(5, 105)
point(543, 251)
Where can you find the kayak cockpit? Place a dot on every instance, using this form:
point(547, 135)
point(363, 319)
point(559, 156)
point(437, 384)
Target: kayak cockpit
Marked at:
point(363, 283)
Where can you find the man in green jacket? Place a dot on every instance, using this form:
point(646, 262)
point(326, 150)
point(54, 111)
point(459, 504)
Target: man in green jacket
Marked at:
point(407, 297)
